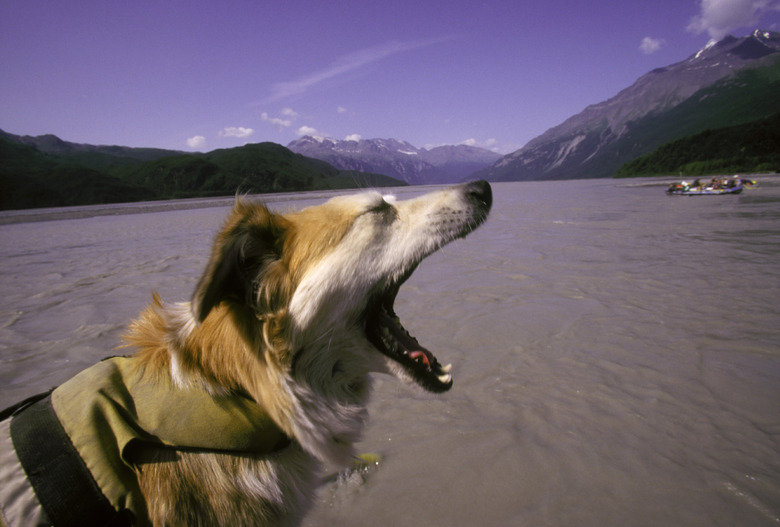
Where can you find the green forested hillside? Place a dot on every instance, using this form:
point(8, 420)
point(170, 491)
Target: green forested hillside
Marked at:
point(261, 167)
point(31, 178)
point(746, 148)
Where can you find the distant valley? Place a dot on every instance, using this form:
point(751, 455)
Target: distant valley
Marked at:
point(717, 110)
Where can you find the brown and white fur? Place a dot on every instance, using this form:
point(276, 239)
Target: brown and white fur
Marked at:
point(294, 311)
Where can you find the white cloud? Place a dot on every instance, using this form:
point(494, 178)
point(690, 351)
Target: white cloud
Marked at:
point(341, 109)
point(650, 45)
point(308, 130)
point(197, 141)
point(344, 64)
point(354, 137)
point(720, 17)
point(289, 112)
point(277, 121)
point(236, 131)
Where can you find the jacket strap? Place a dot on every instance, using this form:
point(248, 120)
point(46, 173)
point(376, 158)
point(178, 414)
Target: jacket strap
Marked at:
point(61, 480)
point(21, 405)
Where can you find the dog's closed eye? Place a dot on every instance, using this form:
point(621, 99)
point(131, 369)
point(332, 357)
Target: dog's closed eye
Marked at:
point(381, 207)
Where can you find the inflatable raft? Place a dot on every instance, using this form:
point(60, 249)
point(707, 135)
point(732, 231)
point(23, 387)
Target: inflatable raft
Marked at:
point(715, 187)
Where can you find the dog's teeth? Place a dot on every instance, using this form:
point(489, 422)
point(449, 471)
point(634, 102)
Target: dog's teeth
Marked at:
point(444, 379)
point(387, 339)
point(447, 368)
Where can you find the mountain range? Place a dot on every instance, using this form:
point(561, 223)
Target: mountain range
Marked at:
point(398, 159)
point(731, 82)
point(45, 171)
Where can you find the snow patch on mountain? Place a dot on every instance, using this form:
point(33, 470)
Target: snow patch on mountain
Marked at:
point(399, 159)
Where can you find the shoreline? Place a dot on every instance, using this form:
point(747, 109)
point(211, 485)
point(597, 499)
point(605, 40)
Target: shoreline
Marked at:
point(10, 217)
point(15, 216)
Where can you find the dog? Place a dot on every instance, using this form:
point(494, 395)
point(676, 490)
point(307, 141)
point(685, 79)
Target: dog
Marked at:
point(231, 402)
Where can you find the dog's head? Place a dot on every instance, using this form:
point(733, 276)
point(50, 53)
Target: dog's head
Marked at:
point(327, 276)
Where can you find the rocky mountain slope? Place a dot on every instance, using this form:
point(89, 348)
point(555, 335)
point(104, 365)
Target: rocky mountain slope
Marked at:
point(731, 82)
point(398, 159)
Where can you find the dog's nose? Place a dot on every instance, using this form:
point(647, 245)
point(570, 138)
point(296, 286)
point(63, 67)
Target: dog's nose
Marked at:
point(480, 192)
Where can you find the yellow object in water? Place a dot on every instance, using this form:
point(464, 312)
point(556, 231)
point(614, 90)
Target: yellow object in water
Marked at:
point(366, 460)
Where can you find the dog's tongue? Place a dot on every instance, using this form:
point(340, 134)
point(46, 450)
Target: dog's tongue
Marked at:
point(419, 355)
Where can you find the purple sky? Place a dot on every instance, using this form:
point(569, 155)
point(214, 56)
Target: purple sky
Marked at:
point(197, 75)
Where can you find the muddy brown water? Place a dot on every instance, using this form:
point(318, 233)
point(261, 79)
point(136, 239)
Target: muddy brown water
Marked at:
point(616, 352)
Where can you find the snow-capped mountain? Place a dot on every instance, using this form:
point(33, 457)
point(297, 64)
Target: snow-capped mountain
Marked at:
point(398, 159)
point(726, 83)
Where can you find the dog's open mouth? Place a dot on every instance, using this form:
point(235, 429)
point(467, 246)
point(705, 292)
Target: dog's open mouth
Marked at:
point(385, 332)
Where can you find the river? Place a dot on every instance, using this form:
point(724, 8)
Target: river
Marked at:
point(616, 351)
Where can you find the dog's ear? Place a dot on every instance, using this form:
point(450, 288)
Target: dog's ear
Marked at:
point(250, 240)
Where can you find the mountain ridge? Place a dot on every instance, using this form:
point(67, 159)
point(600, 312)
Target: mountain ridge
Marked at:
point(398, 159)
point(51, 144)
point(727, 83)
point(73, 174)
point(605, 135)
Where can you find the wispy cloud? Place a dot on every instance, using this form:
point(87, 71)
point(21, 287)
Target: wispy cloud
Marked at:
point(288, 118)
point(650, 45)
point(236, 131)
point(278, 122)
point(488, 144)
point(719, 17)
point(345, 64)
